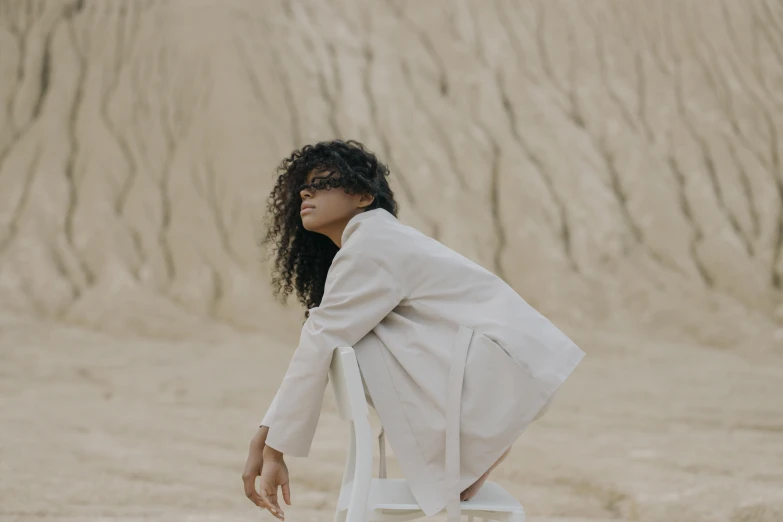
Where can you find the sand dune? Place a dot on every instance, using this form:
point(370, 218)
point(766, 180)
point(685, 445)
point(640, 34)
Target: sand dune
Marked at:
point(618, 163)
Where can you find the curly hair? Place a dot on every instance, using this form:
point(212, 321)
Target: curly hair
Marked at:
point(303, 257)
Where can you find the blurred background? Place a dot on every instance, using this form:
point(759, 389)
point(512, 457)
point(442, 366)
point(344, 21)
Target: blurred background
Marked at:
point(617, 162)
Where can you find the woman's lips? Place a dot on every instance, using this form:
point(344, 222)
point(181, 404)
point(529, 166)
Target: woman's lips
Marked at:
point(306, 210)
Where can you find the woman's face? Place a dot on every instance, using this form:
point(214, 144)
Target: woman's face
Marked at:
point(328, 210)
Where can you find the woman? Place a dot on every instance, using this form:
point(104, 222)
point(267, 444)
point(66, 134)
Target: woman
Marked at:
point(453, 360)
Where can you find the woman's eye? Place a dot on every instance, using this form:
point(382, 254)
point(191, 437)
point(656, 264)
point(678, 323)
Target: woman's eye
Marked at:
point(321, 184)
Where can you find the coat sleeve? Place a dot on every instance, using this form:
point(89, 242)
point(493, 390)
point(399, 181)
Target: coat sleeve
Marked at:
point(358, 294)
point(266, 421)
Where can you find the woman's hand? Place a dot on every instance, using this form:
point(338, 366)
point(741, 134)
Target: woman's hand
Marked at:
point(274, 474)
point(255, 461)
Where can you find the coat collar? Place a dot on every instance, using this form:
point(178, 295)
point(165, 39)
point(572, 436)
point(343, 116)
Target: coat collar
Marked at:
point(353, 223)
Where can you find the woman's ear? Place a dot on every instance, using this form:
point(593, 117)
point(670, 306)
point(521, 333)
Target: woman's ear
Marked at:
point(366, 200)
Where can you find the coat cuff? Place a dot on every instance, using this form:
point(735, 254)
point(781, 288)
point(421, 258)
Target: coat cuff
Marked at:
point(270, 412)
point(287, 447)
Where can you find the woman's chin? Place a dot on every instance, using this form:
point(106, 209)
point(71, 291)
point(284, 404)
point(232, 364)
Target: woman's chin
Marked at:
point(308, 223)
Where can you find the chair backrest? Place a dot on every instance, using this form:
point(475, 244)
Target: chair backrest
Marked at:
point(347, 384)
point(352, 406)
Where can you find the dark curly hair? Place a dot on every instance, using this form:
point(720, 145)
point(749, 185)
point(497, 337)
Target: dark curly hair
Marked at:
point(303, 257)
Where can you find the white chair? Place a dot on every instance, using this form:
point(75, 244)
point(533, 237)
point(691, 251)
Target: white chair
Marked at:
point(367, 499)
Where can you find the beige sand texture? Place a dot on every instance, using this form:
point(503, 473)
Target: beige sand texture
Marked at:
point(618, 162)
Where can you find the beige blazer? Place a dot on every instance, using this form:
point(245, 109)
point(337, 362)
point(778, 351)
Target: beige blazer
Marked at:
point(456, 363)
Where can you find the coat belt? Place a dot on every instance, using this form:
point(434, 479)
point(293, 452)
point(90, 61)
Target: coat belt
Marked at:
point(453, 414)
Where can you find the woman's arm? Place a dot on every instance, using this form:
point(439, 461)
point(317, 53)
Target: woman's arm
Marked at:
point(358, 294)
point(271, 453)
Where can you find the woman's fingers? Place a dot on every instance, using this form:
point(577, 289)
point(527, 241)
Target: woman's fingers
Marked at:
point(250, 490)
point(253, 466)
point(270, 502)
point(286, 493)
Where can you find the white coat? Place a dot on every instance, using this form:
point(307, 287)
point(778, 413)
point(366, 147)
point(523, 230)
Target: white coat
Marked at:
point(456, 363)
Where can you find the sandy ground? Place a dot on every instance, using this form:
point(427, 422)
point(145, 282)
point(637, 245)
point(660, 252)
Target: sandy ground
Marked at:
point(618, 163)
point(96, 427)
